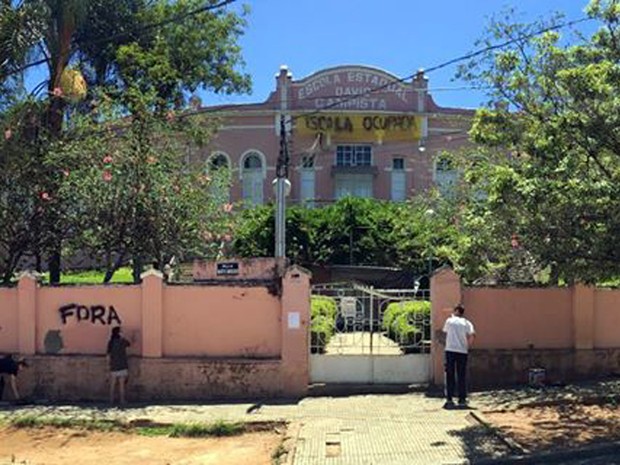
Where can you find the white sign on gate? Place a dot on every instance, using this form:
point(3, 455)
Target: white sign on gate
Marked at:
point(348, 307)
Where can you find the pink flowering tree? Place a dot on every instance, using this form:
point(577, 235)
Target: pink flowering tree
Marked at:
point(23, 197)
point(147, 61)
point(137, 198)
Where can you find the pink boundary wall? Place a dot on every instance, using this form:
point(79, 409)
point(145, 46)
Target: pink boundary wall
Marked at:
point(572, 332)
point(231, 339)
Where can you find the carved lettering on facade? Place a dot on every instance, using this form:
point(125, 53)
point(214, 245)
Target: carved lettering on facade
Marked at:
point(354, 90)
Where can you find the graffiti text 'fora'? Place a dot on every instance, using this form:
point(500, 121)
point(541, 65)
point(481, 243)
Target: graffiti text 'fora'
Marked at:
point(92, 314)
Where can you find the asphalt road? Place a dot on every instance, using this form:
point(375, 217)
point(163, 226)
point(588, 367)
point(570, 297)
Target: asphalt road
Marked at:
point(601, 460)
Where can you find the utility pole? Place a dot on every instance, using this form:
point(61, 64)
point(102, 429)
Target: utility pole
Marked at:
point(281, 185)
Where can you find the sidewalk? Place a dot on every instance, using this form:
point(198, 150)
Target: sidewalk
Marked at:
point(385, 429)
point(377, 429)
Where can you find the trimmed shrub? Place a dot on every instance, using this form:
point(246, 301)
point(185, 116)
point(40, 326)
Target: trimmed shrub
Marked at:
point(408, 323)
point(323, 311)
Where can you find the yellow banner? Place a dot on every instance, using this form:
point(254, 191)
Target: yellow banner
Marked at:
point(361, 127)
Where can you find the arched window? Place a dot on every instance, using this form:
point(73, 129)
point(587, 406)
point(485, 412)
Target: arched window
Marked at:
point(252, 175)
point(218, 160)
point(218, 167)
point(251, 162)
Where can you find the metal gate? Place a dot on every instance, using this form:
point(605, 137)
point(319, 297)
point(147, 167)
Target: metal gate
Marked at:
point(370, 336)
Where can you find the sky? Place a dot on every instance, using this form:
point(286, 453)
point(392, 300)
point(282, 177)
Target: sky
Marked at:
point(398, 36)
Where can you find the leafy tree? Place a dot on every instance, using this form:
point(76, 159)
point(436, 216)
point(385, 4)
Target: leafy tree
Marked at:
point(553, 115)
point(351, 231)
point(17, 21)
point(156, 54)
point(22, 200)
point(133, 196)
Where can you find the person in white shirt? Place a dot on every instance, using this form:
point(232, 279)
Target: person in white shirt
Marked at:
point(459, 338)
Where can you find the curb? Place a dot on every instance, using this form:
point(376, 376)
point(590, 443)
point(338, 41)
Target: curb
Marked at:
point(516, 448)
point(290, 443)
point(555, 457)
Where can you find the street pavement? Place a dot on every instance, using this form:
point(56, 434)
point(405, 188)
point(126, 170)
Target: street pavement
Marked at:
point(386, 429)
point(372, 429)
point(612, 459)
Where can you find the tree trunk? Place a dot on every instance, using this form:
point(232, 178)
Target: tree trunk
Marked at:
point(54, 126)
point(54, 266)
point(137, 269)
point(110, 270)
point(37, 262)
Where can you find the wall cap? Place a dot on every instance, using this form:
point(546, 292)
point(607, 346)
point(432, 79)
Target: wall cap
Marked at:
point(33, 275)
point(299, 269)
point(152, 272)
point(444, 269)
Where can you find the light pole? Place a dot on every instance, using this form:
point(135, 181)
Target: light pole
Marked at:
point(430, 213)
point(282, 188)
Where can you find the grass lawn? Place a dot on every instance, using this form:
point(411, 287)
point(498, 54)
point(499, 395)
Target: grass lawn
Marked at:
point(122, 276)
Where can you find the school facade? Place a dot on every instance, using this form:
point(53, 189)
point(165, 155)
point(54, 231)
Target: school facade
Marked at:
point(351, 130)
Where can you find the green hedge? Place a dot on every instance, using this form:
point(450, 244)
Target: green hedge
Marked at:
point(323, 312)
point(408, 323)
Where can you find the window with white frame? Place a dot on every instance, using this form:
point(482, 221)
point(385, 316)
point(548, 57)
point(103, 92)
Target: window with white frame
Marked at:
point(398, 179)
point(217, 161)
point(252, 175)
point(307, 180)
point(353, 155)
point(218, 166)
point(446, 175)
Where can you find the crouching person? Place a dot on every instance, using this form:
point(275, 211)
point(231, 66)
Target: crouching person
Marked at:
point(9, 368)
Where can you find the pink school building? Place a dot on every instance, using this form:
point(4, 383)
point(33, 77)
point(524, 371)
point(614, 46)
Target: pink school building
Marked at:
point(352, 130)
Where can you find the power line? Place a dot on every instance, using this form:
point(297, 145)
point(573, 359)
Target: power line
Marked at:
point(448, 63)
point(340, 101)
point(361, 94)
point(428, 70)
point(137, 32)
point(509, 42)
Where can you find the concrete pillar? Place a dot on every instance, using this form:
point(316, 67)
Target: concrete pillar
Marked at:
point(446, 293)
point(583, 317)
point(26, 314)
point(295, 331)
point(152, 313)
point(420, 86)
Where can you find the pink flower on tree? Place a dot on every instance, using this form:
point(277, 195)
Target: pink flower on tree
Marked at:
point(170, 115)
point(45, 196)
point(66, 173)
point(151, 160)
point(8, 134)
point(107, 176)
point(107, 159)
point(57, 92)
point(514, 241)
point(227, 207)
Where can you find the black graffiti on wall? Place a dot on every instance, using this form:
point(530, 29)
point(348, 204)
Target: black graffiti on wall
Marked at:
point(92, 314)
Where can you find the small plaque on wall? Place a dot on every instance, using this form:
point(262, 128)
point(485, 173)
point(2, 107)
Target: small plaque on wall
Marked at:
point(293, 320)
point(228, 268)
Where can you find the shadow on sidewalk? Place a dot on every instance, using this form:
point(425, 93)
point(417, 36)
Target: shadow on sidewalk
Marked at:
point(479, 441)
